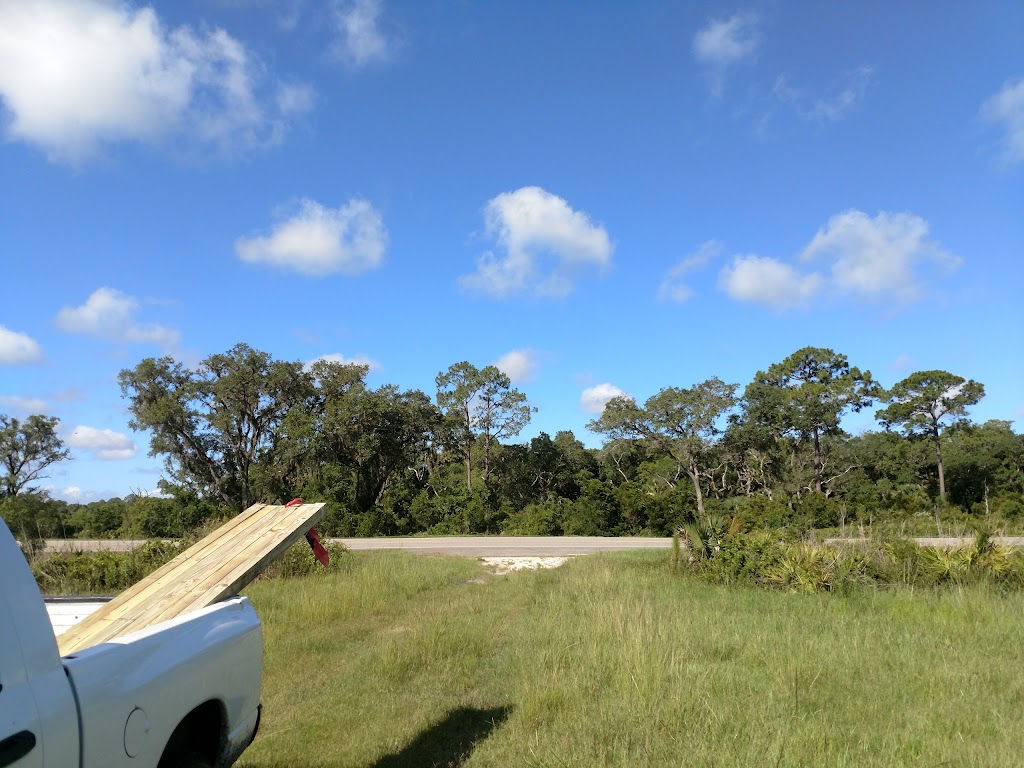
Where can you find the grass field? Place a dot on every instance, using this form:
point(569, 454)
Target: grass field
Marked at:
point(396, 660)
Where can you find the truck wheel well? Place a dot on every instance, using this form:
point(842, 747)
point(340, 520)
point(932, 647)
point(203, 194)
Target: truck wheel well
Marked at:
point(196, 741)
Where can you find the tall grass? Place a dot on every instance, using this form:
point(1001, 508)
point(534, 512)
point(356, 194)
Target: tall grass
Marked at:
point(397, 660)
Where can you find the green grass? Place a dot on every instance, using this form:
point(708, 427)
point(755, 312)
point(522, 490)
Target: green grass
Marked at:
point(397, 660)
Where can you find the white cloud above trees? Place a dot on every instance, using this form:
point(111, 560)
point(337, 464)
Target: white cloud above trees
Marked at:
point(78, 75)
point(109, 315)
point(520, 365)
point(24, 405)
point(337, 357)
point(18, 348)
point(103, 444)
point(1006, 110)
point(767, 281)
point(542, 246)
point(889, 257)
point(317, 241)
point(593, 399)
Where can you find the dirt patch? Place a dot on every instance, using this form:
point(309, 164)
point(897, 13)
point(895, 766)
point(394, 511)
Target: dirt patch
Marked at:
point(503, 565)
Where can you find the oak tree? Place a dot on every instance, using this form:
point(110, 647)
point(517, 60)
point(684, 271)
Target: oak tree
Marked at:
point(27, 448)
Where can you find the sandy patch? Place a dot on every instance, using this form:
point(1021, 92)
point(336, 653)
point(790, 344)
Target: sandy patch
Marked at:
point(503, 565)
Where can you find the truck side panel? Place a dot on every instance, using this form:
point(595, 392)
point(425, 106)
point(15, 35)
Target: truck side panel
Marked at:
point(165, 672)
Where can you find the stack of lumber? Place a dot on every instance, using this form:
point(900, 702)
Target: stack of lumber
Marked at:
point(215, 568)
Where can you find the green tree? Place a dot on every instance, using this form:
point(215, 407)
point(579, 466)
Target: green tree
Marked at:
point(33, 516)
point(480, 403)
point(681, 422)
point(806, 395)
point(921, 401)
point(27, 449)
point(983, 462)
point(211, 424)
point(379, 434)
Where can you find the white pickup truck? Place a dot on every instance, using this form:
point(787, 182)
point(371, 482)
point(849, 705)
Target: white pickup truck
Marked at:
point(182, 694)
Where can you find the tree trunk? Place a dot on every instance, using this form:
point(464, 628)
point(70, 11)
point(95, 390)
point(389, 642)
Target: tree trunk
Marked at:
point(695, 476)
point(487, 458)
point(818, 463)
point(938, 459)
point(468, 421)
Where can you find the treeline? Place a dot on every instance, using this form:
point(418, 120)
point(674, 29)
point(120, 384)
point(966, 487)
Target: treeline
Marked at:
point(243, 426)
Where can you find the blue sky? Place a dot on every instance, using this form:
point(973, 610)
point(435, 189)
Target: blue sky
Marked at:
point(600, 197)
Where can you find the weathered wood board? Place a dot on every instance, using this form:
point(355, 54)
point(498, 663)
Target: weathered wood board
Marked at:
point(215, 568)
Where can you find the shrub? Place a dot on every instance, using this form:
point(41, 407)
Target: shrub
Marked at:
point(544, 519)
point(765, 558)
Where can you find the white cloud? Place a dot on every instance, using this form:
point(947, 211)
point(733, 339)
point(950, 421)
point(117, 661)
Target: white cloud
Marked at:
point(723, 43)
point(18, 348)
point(767, 281)
point(80, 74)
point(69, 395)
point(888, 257)
point(102, 443)
point(337, 357)
point(902, 362)
point(1006, 108)
point(593, 399)
point(672, 286)
point(881, 257)
point(361, 38)
point(520, 365)
point(543, 245)
point(27, 405)
point(838, 102)
point(109, 315)
point(320, 241)
point(76, 495)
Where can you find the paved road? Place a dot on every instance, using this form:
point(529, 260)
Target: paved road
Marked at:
point(470, 546)
point(509, 546)
point(497, 546)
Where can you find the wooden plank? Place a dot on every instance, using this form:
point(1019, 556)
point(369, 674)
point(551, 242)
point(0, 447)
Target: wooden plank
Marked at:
point(137, 596)
point(206, 584)
point(215, 568)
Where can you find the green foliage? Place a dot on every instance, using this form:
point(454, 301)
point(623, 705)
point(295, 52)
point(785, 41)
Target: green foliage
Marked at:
point(805, 397)
point(479, 404)
point(682, 423)
point(541, 519)
point(298, 561)
point(764, 558)
point(921, 401)
point(26, 450)
point(34, 516)
point(391, 462)
point(760, 512)
point(595, 513)
point(100, 573)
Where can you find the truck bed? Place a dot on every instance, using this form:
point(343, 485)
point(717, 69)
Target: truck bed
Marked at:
point(65, 612)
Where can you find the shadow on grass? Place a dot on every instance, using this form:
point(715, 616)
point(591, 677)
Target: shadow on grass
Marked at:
point(448, 743)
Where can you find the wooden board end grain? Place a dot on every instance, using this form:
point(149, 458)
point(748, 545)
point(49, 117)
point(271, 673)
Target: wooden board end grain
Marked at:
point(217, 567)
